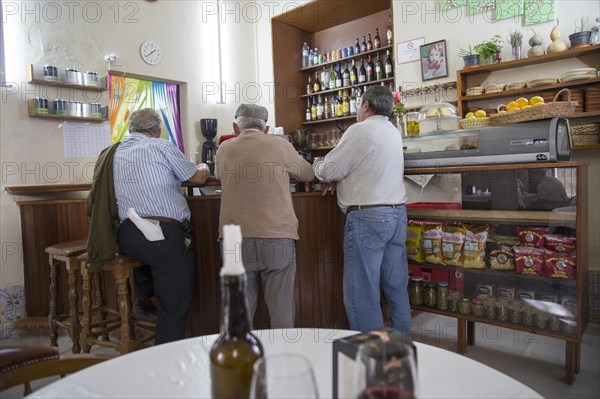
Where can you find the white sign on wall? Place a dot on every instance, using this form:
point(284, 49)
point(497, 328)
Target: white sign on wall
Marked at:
point(408, 51)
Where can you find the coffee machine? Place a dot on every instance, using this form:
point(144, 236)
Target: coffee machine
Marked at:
point(208, 127)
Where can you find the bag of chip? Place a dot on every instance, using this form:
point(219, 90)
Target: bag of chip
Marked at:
point(532, 236)
point(500, 256)
point(432, 244)
point(558, 243)
point(529, 260)
point(453, 239)
point(474, 248)
point(559, 265)
point(414, 251)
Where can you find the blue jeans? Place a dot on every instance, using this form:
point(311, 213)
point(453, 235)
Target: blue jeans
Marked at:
point(375, 258)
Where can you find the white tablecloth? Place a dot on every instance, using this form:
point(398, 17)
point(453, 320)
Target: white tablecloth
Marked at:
point(181, 370)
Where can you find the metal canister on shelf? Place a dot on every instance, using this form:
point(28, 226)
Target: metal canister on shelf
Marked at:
point(464, 306)
point(429, 297)
point(90, 78)
point(95, 110)
point(344, 52)
point(478, 307)
point(40, 106)
point(72, 76)
point(74, 108)
point(50, 73)
point(59, 106)
point(415, 290)
point(442, 295)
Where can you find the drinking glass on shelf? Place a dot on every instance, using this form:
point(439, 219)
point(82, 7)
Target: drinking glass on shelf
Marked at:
point(283, 376)
point(385, 370)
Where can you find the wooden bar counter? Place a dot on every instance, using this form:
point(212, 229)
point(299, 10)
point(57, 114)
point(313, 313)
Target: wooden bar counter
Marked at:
point(319, 302)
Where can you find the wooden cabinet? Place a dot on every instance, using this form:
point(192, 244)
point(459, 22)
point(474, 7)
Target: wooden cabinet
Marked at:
point(327, 25)
point(521, 196)
point(524, 69)
point(89, 111)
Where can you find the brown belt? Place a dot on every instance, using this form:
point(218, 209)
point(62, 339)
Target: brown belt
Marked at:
point(353, 208)
point(160, 219)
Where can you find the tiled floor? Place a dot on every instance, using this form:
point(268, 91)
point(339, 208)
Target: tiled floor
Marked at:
point(534, 360)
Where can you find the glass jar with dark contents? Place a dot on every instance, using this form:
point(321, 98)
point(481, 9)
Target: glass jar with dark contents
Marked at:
point(429, 297)
point(442, 293)
point(415, 290)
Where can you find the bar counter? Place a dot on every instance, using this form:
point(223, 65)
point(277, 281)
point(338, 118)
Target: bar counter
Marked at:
point(319, 302)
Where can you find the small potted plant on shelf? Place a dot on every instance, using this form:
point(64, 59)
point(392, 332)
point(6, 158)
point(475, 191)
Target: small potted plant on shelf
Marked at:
point(581, 37)
point(470, 57)
point(489, 50)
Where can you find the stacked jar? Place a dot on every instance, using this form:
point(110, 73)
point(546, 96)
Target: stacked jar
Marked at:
point(415, 290)
point(429, 295)
point(442, 295)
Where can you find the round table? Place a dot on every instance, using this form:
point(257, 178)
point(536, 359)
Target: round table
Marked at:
point(181, 370)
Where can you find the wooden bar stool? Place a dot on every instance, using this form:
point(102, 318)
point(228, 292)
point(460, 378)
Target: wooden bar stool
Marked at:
point(65, 253)
point(112, 319)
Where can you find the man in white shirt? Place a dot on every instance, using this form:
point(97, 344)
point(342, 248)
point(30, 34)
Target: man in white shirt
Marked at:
point(368, 166)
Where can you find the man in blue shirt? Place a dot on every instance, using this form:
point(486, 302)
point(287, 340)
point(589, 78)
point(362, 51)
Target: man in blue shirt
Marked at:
point(148, 172)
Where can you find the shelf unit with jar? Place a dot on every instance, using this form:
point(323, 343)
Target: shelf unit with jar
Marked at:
point(327, 25)
point(557, 307)
point(521, 69)
point(82, 81)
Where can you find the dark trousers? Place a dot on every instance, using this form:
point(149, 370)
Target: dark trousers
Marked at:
point(172, 272)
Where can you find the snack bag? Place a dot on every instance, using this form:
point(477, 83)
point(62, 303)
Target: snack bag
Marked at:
point(432, 244)
point(532, 236)
point(414, 252)
point(559, 265)
point(500, 256)
point(558, 243)
point(474, 249)
point(453, 238)
point(529, 260)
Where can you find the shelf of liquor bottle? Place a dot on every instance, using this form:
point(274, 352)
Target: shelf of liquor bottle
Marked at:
point(528, 90)
point(379, 81)
point(314, 68)
point(341, 118)
point(499, 216)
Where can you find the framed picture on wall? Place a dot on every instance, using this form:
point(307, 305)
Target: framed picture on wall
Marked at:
point(434, 63)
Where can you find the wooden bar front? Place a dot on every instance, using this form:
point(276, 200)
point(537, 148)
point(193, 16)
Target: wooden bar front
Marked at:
point(318, 288)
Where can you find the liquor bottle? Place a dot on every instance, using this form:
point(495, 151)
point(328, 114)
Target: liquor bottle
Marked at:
point(370, 71)
point(346, 104)
point(377, 42)
point(369, 43)
point(356, 47)
point(309, 85)
point(340, 105)
point(326, 109)
point(339, 81)
point(389, 67)
point(319, 108)
point(308, 112)
point(317, 84)
point(311, 57)
point(316, 56)
point(353, 102)
point(353, 74)
point(346, 76)
point(390, 31)
point(236, 349)
point(358, 97)
point(331, 79)
point(305, 51)
point(313, 110)
point(323, 79)
point(379, 72)
point(363, 45)
point(362, 73)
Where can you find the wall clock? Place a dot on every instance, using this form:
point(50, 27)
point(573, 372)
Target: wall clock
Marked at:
point(150, 52)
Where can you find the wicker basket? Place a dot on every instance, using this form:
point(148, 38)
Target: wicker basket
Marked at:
point(585, 138)
point(475, 123)
point(546, 111)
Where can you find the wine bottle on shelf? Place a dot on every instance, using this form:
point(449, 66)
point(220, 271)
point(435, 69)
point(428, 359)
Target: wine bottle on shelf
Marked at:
point(370, 71)
point(316, 56)
point(346, 104)
point(326, 108)
point(233, 354)
point(334, 106)
point(353, 74)
point(319, 108)
point(389, 67)
point(369, 43)
point(356, 47)
point(377, 41)
point(362, 73)
point(324, 79)
point(308, 116)
point(363, 45)
point(305, 51)
point(353, 102)
point(346, 76)
point(339, 81)
point(390, 31)
point(309, 85)
point(317, 84)
point(358, 97)
point(379, 73)
point(313, 110)
point(340, 105)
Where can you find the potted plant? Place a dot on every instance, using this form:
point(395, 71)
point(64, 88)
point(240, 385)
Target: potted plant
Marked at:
point(581, 37)
point(470, 57)
point(490, 49)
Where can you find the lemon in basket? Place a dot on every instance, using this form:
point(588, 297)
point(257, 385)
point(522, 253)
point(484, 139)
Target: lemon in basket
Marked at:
point(512, 106)
point(480, 113)
point(536, 100)
point(522, 102)
point(470, 115)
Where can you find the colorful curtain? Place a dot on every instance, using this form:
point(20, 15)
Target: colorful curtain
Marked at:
point(128, 95)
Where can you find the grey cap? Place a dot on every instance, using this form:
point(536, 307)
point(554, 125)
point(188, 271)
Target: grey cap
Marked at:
point(252, 111)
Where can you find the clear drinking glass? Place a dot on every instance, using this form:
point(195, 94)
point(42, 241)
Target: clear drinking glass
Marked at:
point(283, 376)
point(385, 370)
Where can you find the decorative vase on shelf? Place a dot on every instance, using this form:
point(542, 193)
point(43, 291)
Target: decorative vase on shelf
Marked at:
point(516, 52)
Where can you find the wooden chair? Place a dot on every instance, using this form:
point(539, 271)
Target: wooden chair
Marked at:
point(23, 364)
point(108, 319)
point(65, 254)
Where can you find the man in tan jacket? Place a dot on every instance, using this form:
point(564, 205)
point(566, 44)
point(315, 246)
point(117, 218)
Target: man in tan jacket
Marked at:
point(255, 171)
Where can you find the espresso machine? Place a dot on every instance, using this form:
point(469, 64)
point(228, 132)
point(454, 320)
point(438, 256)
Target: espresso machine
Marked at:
point(208, 127)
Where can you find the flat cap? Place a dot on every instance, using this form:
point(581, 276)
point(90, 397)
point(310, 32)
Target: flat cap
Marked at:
point(252, 111)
